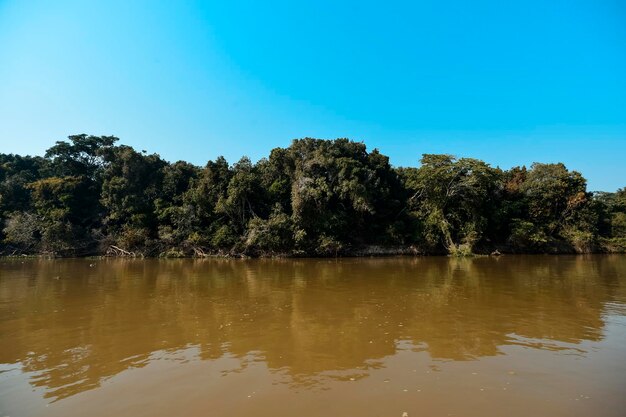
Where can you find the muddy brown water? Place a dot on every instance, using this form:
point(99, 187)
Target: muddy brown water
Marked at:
point(514, 336)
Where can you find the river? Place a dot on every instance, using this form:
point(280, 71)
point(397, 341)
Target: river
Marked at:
point(430, 336)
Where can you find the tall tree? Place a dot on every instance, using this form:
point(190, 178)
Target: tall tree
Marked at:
point(451, 198)
point(132, 184)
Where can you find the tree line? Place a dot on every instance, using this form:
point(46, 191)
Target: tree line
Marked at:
point(91, 196)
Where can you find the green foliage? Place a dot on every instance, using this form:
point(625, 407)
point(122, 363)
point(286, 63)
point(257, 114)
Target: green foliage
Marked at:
point(582, 241)
point(224, 237)
point(339, 190)
point(618, 224)
point(273, 235)
point(16, 172)
point(315, 197)
point(527, 237)
point(328, 246)
point(554, 195)
point(559, 205)
point(82, 155)
point(614, 245)
point(452, 198)
point(176, 218)
point(22, 232)
point(63, 205)
point(242, 192)
point(131, 187)
point(614, 214)
point(198, 210)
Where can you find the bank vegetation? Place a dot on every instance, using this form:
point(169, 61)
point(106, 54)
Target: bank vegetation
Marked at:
point(91, 196)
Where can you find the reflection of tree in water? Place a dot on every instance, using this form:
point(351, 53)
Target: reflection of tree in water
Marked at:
point(74, 325)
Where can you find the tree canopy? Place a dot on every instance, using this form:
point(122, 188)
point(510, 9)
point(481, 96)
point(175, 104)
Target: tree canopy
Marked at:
point(316, 197)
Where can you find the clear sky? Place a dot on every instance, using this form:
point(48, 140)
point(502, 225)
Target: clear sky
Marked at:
point(506, 82)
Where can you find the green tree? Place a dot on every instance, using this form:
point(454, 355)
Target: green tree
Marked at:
point(16, 172)
point(611, 211)
point(83, 155)
point(238, 204)
point(175, 217)
point(64, 213)
point(452, 198)
point(559, 207)
point(132, 184)
point(341, 195)
point(208, 228)
point(315, 197)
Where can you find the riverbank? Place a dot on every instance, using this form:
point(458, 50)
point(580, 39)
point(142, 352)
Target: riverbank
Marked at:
point(90, 196)
point(606, 246)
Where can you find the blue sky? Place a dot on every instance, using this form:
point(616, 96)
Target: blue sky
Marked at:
point(509, 83)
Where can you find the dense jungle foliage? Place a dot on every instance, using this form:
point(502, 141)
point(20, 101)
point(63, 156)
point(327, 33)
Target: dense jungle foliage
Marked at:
point(90, 196)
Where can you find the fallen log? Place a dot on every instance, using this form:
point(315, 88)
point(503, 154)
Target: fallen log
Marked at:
point(117, 251)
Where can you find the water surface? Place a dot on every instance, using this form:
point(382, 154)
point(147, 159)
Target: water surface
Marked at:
point(515, 336)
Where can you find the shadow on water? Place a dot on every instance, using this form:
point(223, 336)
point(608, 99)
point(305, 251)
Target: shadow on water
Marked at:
point(71, 324)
